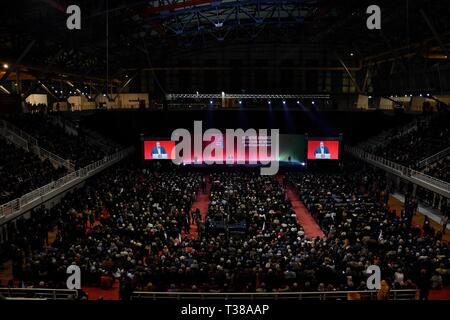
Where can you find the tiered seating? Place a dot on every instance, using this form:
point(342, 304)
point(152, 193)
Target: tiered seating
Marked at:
point(22, 172)
point(361, 230)
point(127, 223)
point(427, 140)
point(440, 169)
point(138, 218)
point(242, 202)
point(54, 138)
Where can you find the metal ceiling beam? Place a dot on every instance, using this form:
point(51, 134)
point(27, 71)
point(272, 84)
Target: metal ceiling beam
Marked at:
point(2, 88)
point(55, 5)
point(174, 6)
point(342, 69)
point(42, 73)
point(14, 66)
point(349, 74)
point(46, 89)
point(433, 30)
point(125, 85)
point(380, 56)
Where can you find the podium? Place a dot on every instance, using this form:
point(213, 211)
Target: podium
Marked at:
point(159, 156)
point(323, 156)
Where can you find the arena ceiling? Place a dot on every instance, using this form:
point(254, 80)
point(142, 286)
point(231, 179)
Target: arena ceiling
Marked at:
point(142, 33)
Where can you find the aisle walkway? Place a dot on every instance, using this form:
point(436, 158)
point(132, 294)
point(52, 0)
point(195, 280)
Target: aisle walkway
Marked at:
point(304, 218)
point(96, 293)
point(202, 203)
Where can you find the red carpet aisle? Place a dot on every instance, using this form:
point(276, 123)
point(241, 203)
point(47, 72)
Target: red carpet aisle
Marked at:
point(95, 293)
point(202, 204)
point(443, 294)
point(304, 218)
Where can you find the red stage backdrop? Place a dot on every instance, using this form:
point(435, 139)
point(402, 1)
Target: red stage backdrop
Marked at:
point(331, 145)
point(257, 149)
point(248, 155)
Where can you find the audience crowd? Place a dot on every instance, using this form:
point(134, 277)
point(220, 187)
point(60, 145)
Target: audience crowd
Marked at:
point(133, 225)
point(55, 139)
point(429, 138)
point(22, 172)
point(120, 224)
point(361, 230)
point(38, 108)
point(440, 169)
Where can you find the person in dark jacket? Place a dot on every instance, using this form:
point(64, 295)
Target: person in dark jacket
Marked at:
point(424, 284)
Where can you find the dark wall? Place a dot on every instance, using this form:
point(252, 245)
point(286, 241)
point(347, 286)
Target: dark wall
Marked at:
point(262, 67)
point(126, 126)
point(10, 103)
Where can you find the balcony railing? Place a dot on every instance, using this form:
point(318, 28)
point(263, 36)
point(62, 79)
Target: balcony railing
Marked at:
point(31, 140)
point(433, 158)
point(420, 178)
point(55, 159)
point(38, 294)
point(16, 205)
point(406, 294)
point(29, 143)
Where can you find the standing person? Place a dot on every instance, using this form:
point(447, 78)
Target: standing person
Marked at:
point(197, 216)
point(322, 149)
point(85, 217)
point(126, 288)
point(444, 221)
point(91, 219)
point(158, 151)
point(203, 184)
point(201, 230)
point(424, 284)
point(187, 221)
point(427, 229)
point(386, 196)
point(444, 207)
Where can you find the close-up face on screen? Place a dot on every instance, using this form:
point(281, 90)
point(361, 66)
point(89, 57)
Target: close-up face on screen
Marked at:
point(224, 159)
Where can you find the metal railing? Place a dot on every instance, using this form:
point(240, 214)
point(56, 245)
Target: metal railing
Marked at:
point(100, 141)
point(56, 160)
point(69, 127)
point(15, 139)
point(420, 178)
point(94, 137)
point(38, 294)
point(431, 180)
point(436, 157)
point(405, 294)
point(29, 143)
point(31, 140)
point(385, 136)
point(16, 204)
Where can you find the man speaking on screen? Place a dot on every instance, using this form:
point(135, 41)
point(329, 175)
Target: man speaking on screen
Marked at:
point(159, 152)
point(322, 152)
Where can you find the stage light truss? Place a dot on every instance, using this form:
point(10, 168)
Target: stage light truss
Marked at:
point(174, 96)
